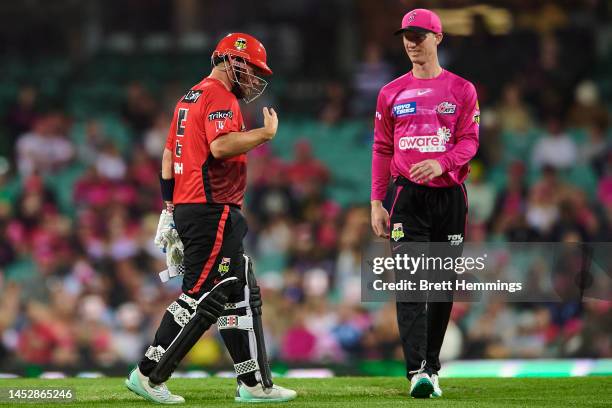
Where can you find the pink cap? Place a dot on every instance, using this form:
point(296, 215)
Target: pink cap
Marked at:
point(421, 20)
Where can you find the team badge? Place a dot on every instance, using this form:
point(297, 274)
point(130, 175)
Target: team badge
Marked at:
point(446, 108)
point(398, 231)
point(224, 266)
point(240, 44)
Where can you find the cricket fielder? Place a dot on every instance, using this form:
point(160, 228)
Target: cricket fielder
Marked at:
point(203, 180)
point(425, 133)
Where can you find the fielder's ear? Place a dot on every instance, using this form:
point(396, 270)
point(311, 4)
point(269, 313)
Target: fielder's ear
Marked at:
point(439, 37)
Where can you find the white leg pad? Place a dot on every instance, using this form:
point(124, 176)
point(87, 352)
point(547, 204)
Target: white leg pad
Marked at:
point(181, 315)
point(246, 367)
point(235, 322)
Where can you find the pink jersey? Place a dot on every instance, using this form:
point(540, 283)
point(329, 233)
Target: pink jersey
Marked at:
point(419, 119)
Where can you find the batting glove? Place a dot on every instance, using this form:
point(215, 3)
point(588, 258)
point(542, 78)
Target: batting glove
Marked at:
point(174, 257)
point(164, 228)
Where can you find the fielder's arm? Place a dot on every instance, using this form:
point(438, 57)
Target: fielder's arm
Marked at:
point(382, 154)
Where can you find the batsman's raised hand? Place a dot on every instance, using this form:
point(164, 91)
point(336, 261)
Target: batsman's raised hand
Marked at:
point(270, 122)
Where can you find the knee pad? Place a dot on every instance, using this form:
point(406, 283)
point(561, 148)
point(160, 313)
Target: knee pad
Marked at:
point(241, 327)
point(208, 308)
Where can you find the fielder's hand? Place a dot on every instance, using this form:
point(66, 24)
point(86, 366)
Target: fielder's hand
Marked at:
point(380, 220)
point(425, 171)
point(270, 123)
point(164, 227)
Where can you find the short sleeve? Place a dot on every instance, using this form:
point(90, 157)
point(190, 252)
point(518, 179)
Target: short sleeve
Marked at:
point(221, 116)
point(172, 132)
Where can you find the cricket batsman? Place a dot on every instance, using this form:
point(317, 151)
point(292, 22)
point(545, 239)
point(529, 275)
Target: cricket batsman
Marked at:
point(203, 180)
point(425, 133)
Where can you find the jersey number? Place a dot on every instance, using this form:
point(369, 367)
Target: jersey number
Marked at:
point(178, 149)
point(181, 121)
point(180, 130)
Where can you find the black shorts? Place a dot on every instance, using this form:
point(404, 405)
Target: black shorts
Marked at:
point(212, 235)
point(428, 214)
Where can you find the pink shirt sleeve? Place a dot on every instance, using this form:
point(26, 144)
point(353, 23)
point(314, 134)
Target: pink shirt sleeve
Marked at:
point(382, 150)
point(466, 133)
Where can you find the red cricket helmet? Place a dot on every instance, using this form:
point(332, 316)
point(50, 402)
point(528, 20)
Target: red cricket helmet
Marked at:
point(244, 46)
point(238, 51)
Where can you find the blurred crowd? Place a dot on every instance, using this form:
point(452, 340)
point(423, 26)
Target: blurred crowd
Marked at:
point(78, 268)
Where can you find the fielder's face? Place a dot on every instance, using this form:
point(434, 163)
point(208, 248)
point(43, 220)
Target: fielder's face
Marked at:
point(421, 47)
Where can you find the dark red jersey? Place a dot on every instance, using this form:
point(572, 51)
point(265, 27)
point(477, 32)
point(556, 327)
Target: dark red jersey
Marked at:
point(206, 112)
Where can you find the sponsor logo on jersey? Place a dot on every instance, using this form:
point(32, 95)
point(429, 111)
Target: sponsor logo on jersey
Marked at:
point(427, 144)
point(398, 231)
point(402, 109)
point(240, 44)
point(224, 266)
point(220, 115)
point(455, 239)
point(446, 108)
point(477, 114)
point(191, 96)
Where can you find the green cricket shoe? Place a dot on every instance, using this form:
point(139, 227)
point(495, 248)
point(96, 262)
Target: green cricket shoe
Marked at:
point(421, 386)
point(258, 393)
point(437, 391)
point(139, 384)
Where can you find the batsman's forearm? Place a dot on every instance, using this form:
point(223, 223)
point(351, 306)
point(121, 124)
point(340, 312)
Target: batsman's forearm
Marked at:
point(236, 143)
point(166, 169)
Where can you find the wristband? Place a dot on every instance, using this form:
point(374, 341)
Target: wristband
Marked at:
point(167, 188)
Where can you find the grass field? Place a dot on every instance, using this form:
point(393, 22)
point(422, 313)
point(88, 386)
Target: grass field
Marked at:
point(346, 392)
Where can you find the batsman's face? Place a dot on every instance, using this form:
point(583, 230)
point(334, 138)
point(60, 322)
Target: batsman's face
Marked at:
point(247, 80)
point(421, 47)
